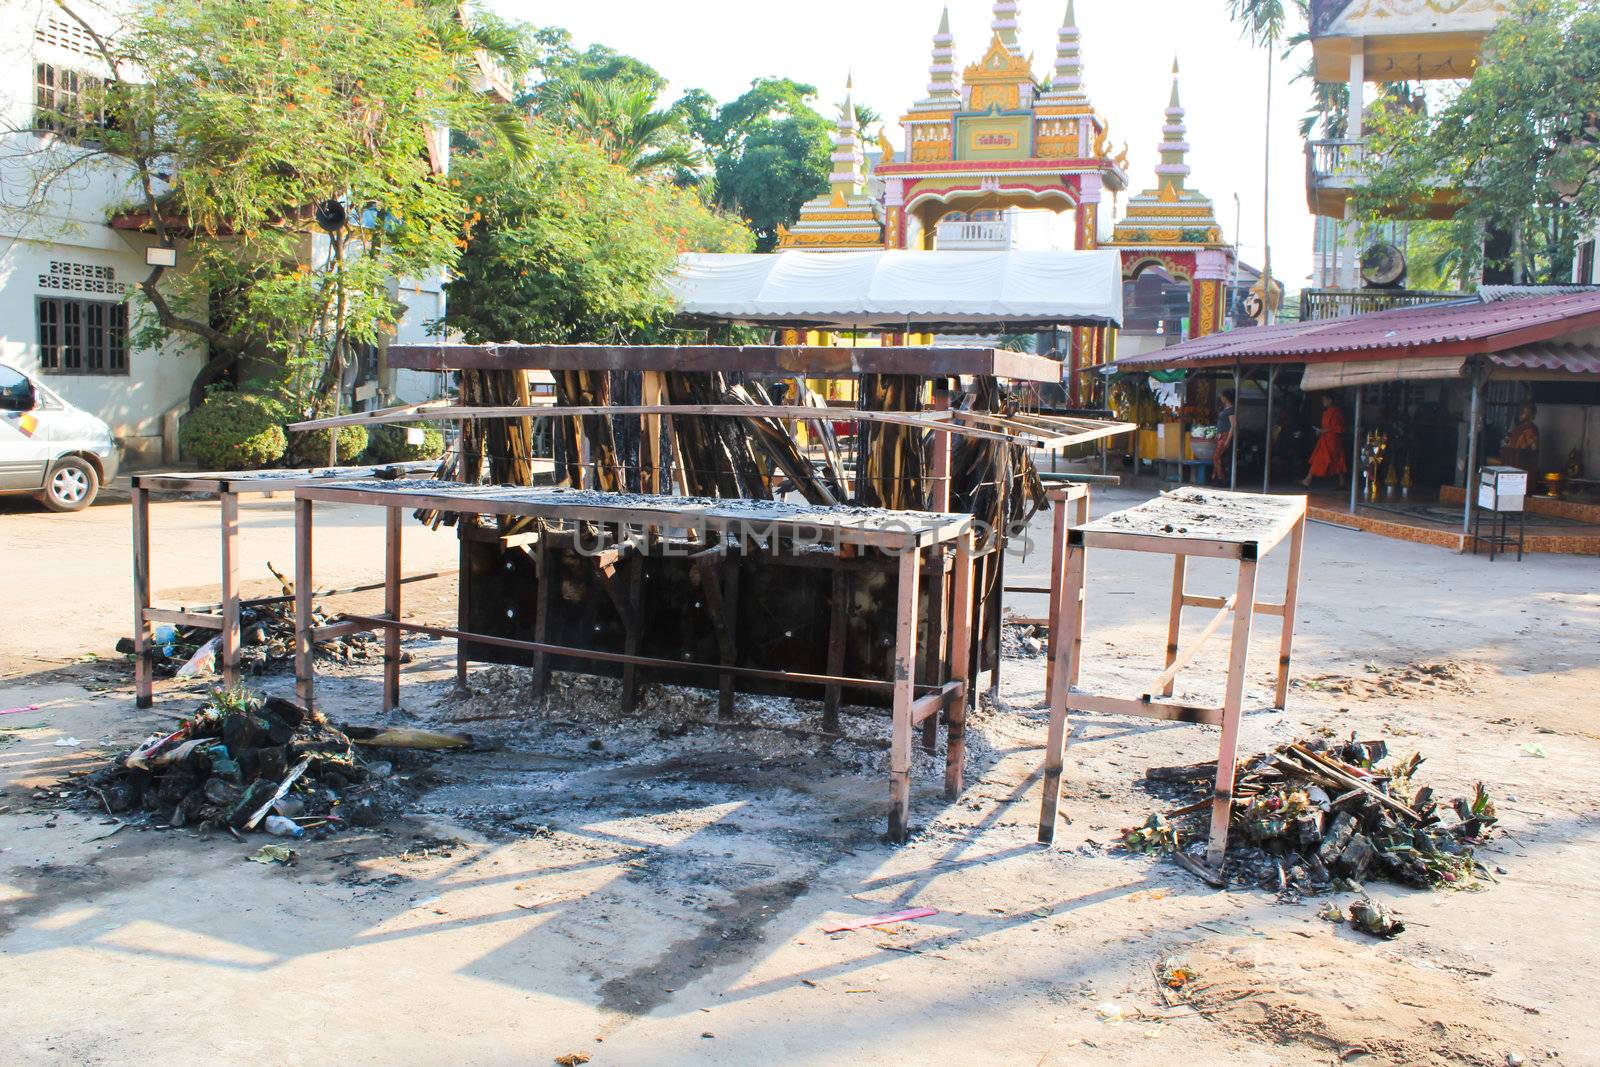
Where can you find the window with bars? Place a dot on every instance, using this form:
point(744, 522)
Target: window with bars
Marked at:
point(59, 106)
point(82, 336)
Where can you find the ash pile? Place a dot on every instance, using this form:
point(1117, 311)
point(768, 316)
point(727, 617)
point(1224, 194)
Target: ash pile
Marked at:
point(246, 763)
point(266, 640)
point(1314, 817)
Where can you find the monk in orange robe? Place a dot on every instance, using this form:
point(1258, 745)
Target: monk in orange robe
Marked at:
point(1327, 458)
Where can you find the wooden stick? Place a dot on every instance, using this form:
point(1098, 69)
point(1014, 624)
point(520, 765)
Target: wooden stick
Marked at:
point(1291, 597)
point(1175, 620)
point(202, 620)
point(905, 681)
point(1349, 781)
point(955, 745)
point(1232, 710)
point(391, 608)
point(463, 602)
point(1066, 651)
point(304, 684)
point(1177, 661)
point(230, 588)
point(143, 661)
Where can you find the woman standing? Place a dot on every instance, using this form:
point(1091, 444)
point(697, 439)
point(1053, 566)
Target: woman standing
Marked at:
point(1327, 458)
point(1227, 420)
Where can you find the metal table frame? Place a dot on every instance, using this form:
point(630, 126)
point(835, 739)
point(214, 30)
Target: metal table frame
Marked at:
point(908, 534)
point(226, 487)
point(1284, 520)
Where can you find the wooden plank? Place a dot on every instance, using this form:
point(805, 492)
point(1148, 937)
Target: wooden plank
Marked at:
point(303, 585)
point(795, 677)
point(391, 608)
point(204, 620)
point(799, 413)
point(1232, 711)
point(1176, 660)
point(143, 658)
point(653, 387)
point(883, 529)
point(905, 680)
point(1162, 543)
point(229, 506)
point(810, 360)
point(955, 744)
point(926, 708)
point(1145, 709)
point(262, 482)
point(1291, 598)
point(333, 631)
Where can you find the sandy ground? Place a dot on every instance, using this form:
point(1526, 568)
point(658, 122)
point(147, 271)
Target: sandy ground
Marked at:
point(644, 894)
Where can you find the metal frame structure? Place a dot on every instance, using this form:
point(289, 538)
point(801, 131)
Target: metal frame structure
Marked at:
point(907, 536)
point(1244, 527)
point(226, 487)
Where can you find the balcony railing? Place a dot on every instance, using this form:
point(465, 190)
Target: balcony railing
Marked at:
point(1334, 161)
point(1339, 303)
point(995, 236)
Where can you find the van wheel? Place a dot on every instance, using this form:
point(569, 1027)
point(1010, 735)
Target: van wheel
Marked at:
point(71, 486)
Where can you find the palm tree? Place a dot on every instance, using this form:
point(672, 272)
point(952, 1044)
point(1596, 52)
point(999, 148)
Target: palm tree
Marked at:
point(623, 122)
point(1264, 22)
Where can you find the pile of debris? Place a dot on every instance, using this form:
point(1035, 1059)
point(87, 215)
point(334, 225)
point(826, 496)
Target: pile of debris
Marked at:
point(1310, 817)
point(266, 640)
point(245, 763)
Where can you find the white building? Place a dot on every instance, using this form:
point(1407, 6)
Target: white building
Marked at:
point(64, 272)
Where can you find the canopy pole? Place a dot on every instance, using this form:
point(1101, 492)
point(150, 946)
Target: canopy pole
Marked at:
point(1233, 460)
point(1474, 424)
point(1355, 455)
point(1266, 463)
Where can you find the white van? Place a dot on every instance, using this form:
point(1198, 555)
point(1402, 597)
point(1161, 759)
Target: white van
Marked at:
point(57, 452)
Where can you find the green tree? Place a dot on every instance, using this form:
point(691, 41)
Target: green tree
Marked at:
point(1522, 139)
point(622, 121)
point(769, 151)
point(570, 247)
point(232, 121)
point(562, 69)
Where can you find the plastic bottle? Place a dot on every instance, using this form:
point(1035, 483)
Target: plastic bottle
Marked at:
point(278, 826)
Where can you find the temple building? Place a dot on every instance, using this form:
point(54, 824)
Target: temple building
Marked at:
point(845, 218)
point(1173, 229)
point(996, 143)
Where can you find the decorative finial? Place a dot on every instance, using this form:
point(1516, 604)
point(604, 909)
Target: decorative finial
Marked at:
point(1005, 25)
point(942, 70)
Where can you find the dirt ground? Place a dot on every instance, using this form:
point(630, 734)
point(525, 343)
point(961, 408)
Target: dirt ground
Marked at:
point(647, 891)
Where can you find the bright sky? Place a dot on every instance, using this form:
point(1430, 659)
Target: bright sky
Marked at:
point(1128, 47)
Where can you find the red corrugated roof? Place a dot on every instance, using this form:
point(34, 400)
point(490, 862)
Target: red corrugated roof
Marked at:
point(1573, 359)
point(1455, 329)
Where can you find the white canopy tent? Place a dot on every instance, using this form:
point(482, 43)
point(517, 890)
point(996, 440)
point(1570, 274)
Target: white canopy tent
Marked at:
point(902, 290)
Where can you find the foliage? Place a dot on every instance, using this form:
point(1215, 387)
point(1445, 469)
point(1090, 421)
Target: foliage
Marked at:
point(309, 448)
point(622, 121)
point(769, 150)
point(234, 431)
point(570, 247)
point(1523, 137)
point(386, 443)
point(563, 69)
point(238, 117)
